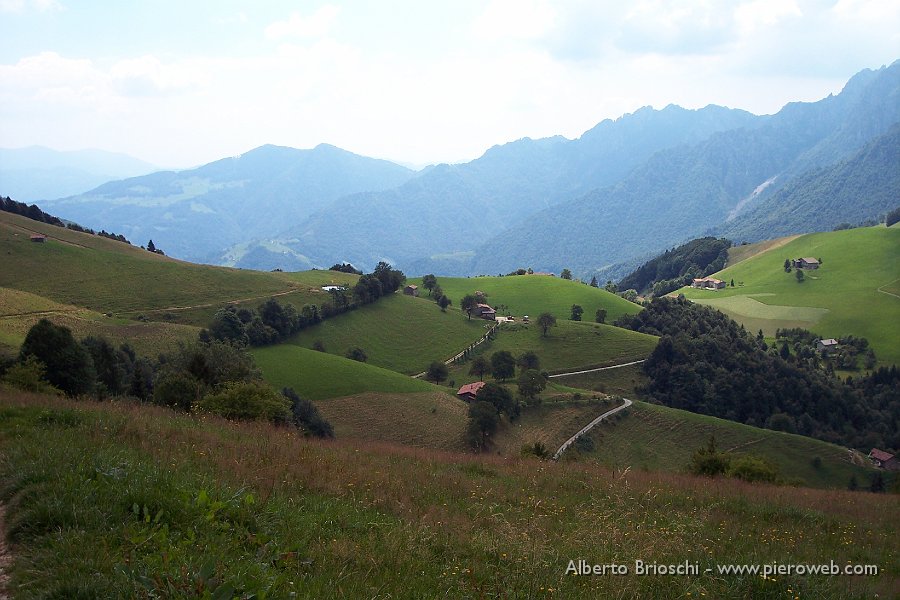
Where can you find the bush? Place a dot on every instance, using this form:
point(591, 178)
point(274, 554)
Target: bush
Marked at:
point(752, 468)
point(246, 401)
point(176, 389)
point(306, 416)
point(357, 353)
point(537, 449)
point(69, 366)
point(29, 375)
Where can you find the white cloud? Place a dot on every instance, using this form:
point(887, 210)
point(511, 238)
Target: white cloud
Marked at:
point(18, 6)
point(147, 76)
point(316, 25)
point(515, 19)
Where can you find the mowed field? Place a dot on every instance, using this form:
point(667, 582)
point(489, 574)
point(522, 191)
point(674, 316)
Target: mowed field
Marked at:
point(112, 277)
point(318, 375)
point(570, 346)
point(398, 332)
point(19, 311)
point(533, 294)
point(845, 296)
point(653, 437)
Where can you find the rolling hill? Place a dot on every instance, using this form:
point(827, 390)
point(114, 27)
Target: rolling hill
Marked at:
point(851, 293)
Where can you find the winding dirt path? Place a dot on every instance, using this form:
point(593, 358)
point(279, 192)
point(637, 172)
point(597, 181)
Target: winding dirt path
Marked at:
point(628, 364)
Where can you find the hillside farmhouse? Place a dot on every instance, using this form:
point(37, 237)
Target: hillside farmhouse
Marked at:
point(708, 283)
point(468, 391)
point(39, 238)
point(411, 290)
point(884, 460)
point(485, 312)
point(824, 346)
point(806, 263)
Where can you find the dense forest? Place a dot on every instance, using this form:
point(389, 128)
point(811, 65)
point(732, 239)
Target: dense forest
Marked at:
point(706, 363)
point(677, 267)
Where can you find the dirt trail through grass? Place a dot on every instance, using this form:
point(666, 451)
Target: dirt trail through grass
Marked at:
point(590, 426)
point(208, 304)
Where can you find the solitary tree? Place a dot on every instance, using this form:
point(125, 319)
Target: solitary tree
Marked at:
point(594, 281)
point(566, 274)
point(357, 353)
point(577, 311)
point(500, 398)
point(800, 277)
point(545, 321)
point(151, 246)
point(428, 282)
point(787, 265)
point(531, 383)
point(528, 360)
point(600, 315)
point(483, 423)
point(468, 304)
point(437, 372)
point(481, 367)
point(444, 302)
point(503, 365)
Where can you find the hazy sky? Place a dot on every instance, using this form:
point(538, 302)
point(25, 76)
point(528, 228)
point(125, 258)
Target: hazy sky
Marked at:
point(180, 83)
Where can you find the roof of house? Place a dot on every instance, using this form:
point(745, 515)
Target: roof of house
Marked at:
point(810, 260)
point(413, 286)
point(488, 306)
point(711, 279)
point(470, 388)
point(880, 455)
point(829, 342)
point(38, 236)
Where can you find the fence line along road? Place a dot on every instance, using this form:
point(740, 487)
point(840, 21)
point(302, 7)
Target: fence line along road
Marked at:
point(636, 362)
point(590, 426)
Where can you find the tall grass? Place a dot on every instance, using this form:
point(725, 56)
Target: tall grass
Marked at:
point(121, 501)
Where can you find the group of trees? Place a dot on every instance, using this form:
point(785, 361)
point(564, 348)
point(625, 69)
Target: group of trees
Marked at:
point(272, 321)
point(677, 267)
point(430, 283)
point(707, 363)
point(712, 462)
point(345, 268)
point(214, 377)
point(799, 346)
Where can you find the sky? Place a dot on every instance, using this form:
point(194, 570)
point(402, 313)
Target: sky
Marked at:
point(182, 83)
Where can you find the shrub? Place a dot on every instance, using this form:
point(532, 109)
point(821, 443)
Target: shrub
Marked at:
point(30, 376)
point(537, 449)
point(176, 389)
point(306, 416)
point(752, 468)
point(246, 401)
point(69, 366)
point(357, 353)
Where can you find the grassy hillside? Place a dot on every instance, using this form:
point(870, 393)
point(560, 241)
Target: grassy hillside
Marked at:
point(623, 381)
point(116, 501)
point(398, 332)
point(842, 297)
point(19, 311)
point(111, 277)
point(569, 346)
point(533, 294)
point(317, 375)
point(653, 437)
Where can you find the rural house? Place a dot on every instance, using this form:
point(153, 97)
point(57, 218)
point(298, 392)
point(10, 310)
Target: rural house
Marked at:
point(806, 263)
point(468, 391)
point(828, 345)
point(411, 290)
point(884, 460)
point(485, 312)
point(708, 283)
point(37, 237)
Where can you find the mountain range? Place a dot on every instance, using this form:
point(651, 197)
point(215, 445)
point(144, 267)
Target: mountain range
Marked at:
point(623, 190)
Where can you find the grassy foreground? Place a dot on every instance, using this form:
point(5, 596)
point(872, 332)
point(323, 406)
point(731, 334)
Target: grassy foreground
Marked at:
point(116, 501)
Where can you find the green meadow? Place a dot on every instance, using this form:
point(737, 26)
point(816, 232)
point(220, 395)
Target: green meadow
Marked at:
point(533, 294)
point(401, 333)
point(570, 346)
point(845, 296)
point(654, 437)
point(317, 375)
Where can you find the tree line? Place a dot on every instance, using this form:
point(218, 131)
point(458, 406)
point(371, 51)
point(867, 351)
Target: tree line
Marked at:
point(34, 213)
point(273, 321)
point(212, 377)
